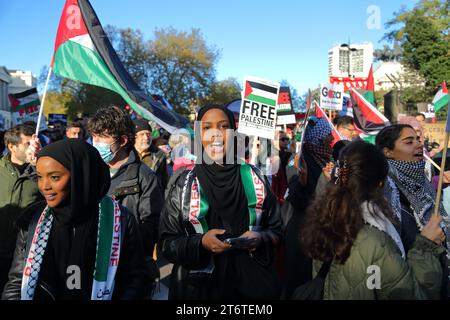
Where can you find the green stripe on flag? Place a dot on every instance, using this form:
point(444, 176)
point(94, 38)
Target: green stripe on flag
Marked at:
point(247, 181)
point(79, 63)
point(441, 103)
point(26, 105)
point(204, 207)
point(105, 233)
point(260, 99)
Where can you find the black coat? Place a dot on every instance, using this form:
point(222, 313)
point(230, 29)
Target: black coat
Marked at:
point(298, 266)
point(182, 246)
point(132, 278)
point(137, 187)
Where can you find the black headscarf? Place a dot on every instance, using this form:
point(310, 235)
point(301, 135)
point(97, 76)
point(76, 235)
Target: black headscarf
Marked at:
point(223, 187)
point(73, 237)
point(89, 178)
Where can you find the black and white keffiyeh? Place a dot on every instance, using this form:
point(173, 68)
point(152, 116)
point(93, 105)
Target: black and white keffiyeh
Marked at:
point(410, 178)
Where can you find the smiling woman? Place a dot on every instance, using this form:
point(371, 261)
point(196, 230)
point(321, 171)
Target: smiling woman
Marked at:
point(215, 201)
point(53, 180)
point(76, 218)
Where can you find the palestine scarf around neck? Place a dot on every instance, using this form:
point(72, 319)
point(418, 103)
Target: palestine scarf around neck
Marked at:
point(220, 184)
point(107, 252)
point(197, 207)
point(409, 177)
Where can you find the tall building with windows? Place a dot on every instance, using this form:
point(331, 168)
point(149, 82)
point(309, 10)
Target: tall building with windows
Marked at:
point(352, 60)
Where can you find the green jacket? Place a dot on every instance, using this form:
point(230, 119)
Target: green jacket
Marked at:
point(419, 277)
point(16, 193)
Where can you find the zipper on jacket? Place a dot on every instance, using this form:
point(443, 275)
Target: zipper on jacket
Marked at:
point(44, 287)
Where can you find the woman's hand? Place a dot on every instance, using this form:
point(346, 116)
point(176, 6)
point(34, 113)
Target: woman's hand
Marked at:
point(327, 170)
point(433, 230)
point(212, 244)
point(446, 177)
point(33, 150)
point(252, 235)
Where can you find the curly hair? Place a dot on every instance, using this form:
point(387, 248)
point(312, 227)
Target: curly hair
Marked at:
point(115, 122)
point(333, 220)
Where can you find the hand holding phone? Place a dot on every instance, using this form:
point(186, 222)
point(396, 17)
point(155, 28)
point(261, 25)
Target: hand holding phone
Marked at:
point(239, 243)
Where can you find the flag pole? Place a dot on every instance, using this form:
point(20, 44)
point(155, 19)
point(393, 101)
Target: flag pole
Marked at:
point(444, 157)
point(432, 162)
point(441, 174)
point(43, 101)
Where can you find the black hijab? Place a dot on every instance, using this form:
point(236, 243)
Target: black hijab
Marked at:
point(73, 237)
point(223, 187)
point(89, 178)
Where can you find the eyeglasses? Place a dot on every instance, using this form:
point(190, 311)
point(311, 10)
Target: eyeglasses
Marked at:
point(351, 129)
point(284, 139)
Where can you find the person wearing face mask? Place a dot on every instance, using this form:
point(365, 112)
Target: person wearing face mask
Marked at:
point(410, 193)
point(220, 199)
point(133, 183)
point(149, 154)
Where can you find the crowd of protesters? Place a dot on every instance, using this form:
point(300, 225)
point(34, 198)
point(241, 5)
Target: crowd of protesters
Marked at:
point(112, 194)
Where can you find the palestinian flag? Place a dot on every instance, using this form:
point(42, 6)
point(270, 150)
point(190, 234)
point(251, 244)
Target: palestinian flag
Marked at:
point(24, 106)
point(367, 118)
point(321, 114)
point(441, 99)
point(83, 53)
point(260, 92)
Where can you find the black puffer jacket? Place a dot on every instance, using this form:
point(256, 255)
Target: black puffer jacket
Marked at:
point(132, 279)
point(137, 187)
point(181, 245)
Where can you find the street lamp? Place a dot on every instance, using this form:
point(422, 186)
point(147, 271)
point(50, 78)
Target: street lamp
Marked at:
point(347, 46)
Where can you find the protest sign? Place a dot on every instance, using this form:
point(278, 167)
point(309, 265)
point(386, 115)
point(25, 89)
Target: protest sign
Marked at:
point(285, 112)
point(258, 114)
point(331, 96)
point(24, 106)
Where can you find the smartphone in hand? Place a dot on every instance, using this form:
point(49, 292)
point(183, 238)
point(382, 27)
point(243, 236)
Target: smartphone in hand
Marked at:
point(240, 242)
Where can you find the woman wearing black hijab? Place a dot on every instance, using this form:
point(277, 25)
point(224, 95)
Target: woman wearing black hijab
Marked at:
point(78, 243)
point(220, 199)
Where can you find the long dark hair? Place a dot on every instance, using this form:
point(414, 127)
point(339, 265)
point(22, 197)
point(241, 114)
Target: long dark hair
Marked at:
point(333, 220)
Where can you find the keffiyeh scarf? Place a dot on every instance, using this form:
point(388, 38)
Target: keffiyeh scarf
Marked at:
point(107, 256)
point(314, 143)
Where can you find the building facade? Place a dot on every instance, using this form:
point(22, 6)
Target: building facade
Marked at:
point(352, 60)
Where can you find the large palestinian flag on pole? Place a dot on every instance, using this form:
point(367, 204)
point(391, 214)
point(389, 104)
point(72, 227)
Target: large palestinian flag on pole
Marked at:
point(367, 118)
point(441, 98)
point(84, 53)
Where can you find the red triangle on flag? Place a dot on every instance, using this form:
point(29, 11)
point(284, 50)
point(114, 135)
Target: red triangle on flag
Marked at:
point(248, 89)
point(370, 86)
point(71, 24)
point(14, 102)
point(444, 88)
point(319, 114)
